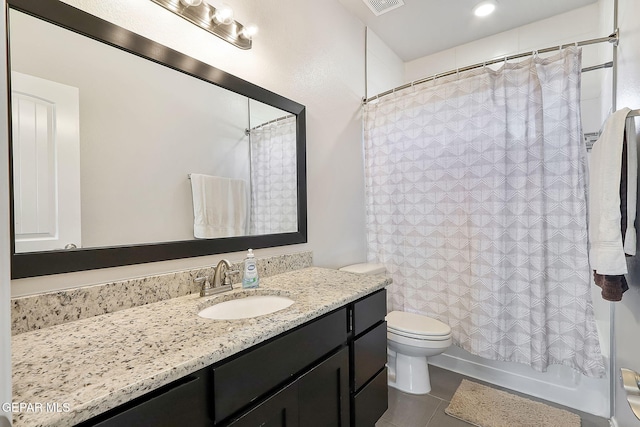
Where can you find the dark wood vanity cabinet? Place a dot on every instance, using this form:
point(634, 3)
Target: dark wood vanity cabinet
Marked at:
point(279, 410)
point(181, 403)
point(329, 372)
point(298, 360)
point(319, 398)
point(369, 354)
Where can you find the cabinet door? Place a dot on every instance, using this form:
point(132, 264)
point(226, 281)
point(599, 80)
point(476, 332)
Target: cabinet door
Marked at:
point(280, 410)
point(323, 393)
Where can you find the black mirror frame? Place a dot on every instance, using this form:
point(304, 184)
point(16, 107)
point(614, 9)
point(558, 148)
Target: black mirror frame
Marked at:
point(33, 264)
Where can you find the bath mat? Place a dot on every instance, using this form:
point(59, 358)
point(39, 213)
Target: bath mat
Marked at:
point(487, 407)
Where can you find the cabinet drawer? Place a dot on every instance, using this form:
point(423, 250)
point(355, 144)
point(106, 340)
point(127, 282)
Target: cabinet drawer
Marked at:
point(241, 381)
point(372, 401)
point(181, 403)
point(369, 354)
point(369, 311)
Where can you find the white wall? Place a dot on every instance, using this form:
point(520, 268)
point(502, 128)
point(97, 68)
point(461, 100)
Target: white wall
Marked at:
point(298, 56)
point(627, 312)
point(385, 69)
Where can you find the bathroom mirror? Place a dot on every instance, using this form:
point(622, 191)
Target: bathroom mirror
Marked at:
point(108, 128)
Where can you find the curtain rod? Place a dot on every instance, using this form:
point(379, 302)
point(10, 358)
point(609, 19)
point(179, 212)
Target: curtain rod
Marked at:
point(613, 38)
point(248, 131)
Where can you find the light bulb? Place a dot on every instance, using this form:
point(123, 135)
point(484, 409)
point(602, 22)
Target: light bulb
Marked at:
point(248, 31)
point(484, 8)
point(223, 15)
point(191, 2)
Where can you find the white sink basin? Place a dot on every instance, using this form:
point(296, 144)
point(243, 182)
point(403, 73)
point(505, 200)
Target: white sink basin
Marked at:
point(246, 307)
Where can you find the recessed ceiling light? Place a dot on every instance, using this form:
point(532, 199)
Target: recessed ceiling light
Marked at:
point(484, 8)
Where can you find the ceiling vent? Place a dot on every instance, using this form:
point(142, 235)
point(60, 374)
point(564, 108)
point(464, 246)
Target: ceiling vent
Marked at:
point(378, 7)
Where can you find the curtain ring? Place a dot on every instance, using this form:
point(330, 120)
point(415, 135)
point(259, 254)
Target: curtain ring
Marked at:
point(413, 88)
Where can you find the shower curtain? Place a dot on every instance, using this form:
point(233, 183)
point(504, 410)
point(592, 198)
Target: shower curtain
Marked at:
point(274, 184)
point(475, 189)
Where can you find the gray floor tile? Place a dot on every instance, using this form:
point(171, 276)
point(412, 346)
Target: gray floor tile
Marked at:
point(441, 419)
point(384, 423)
point(408, 410)
point(444, 383)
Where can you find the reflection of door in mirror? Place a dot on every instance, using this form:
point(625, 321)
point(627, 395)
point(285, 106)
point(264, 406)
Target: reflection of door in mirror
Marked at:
point(46, 164)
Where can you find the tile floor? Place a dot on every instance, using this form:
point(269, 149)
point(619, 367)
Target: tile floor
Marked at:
point(406, 410)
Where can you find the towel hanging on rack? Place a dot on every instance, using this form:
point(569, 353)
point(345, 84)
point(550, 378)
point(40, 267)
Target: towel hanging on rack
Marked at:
point(219, 206)
point(612, 203)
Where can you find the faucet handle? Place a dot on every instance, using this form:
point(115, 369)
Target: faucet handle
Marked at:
point(205, 287)
point(227, 273)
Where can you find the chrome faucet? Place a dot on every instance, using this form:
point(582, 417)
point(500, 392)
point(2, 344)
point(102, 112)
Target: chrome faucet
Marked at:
point(217, 276)
point(221, 280)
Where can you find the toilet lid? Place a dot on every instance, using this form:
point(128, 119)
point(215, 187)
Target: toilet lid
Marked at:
point(416, 324)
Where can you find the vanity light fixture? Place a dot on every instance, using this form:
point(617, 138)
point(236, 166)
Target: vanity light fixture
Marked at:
point(191, 2)
point(218, 21)
point(484, 8)
point(223, 15)
point(249, 31)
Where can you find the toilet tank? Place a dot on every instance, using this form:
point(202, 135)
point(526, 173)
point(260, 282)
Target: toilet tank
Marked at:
point(365, 268)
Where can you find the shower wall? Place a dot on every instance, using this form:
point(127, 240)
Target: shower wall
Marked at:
point(559, 384)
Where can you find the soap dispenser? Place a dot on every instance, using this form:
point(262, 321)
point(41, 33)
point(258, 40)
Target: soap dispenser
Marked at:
point(250, 278)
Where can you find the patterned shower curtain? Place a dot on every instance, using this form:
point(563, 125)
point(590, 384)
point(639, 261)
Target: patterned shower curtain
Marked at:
point(274, 182)
point(475, 187)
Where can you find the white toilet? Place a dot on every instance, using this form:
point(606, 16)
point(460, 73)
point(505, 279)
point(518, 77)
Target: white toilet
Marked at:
point(411, 338)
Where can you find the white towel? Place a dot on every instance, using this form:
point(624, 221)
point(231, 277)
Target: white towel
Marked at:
point(607, 253)
point(219, 206)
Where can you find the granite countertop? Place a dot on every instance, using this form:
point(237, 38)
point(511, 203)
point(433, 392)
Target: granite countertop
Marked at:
point(83, 368)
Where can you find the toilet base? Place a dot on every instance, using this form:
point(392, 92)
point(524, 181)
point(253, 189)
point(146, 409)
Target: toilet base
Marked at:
point(409, 374)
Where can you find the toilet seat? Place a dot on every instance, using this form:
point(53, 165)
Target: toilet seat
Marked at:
point(412, 344)
point(420, 337)
point(417, 326)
